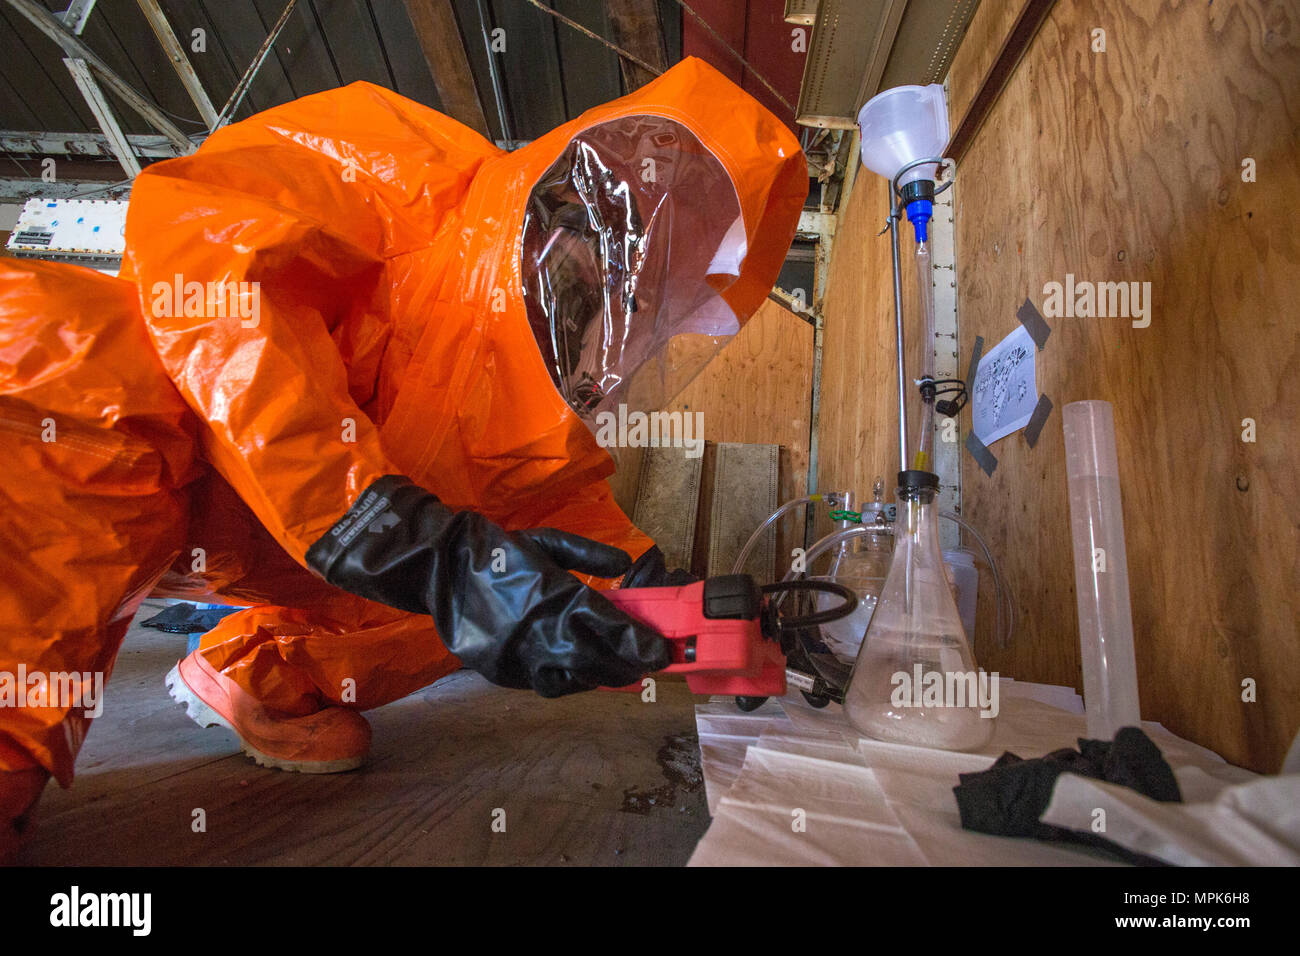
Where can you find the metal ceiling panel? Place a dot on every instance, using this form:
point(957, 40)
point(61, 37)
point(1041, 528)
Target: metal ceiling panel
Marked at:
point(851, 39)
point(926, 41)
point(860, 47)
point(551, 72)
point(801, 12)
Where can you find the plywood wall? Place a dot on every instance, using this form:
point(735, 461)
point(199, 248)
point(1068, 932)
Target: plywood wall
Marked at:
point(858, 434)
point(759, 387)
point(1127, 166)
point(757, 390)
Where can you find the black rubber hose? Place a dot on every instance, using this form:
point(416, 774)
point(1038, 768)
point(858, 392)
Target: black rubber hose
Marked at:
point(818, 617)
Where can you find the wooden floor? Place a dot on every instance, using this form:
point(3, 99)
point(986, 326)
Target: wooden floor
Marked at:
point(598, 778)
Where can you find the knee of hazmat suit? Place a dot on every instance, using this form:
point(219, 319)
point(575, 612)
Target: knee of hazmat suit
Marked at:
point(98, 449)
point(353, 286)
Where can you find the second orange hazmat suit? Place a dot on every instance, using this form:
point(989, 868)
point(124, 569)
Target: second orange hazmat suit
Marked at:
point(352, 286)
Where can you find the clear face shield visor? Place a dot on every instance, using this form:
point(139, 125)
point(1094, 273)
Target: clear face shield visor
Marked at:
point(628, 240)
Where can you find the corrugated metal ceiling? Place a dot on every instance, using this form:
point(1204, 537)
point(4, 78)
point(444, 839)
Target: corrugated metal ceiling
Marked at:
point(554, 74)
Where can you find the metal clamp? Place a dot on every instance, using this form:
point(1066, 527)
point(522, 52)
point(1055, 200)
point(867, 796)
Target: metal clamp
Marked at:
point(950, 164)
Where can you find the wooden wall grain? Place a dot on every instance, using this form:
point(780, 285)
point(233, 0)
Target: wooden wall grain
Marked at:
point(858, 434)
point(756, 390)
point(979, 48)
point(1126, 166)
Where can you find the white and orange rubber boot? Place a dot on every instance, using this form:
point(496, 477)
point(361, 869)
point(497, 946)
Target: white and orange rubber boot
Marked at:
point(331, 740)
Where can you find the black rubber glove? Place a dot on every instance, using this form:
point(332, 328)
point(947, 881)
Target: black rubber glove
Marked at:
point(650, 571)
point(503, 602)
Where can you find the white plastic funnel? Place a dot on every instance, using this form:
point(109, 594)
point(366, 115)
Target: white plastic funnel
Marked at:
point(903, 124)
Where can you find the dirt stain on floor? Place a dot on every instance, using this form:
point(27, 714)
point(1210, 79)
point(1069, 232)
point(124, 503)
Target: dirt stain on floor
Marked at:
point(679, 759)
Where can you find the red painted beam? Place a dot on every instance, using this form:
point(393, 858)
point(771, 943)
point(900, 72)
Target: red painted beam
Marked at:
point(757, 30)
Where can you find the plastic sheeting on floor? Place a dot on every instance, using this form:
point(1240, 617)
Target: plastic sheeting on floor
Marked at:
point(791, 785)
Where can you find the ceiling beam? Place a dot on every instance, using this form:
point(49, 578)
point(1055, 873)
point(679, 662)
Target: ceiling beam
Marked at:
point(246, 81)
point(50, 25)
point(78, 12)
point(176, 53)
point(439, 35)
point(56, 143)
point(636, 28)
point(95, 99)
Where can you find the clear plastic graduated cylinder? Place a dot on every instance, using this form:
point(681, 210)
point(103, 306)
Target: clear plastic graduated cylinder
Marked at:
point(1110, 689)
point(915, 679)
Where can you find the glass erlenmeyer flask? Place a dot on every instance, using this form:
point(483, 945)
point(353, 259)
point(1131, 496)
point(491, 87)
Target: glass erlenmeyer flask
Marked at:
point(915, 679)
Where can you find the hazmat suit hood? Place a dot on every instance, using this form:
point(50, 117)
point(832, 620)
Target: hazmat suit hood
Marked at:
point(614, 256)
point(453, 310)
point(629, 239)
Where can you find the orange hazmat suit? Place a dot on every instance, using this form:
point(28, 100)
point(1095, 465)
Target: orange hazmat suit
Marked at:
point(341, 288)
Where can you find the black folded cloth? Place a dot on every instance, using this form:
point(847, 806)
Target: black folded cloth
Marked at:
point(1009, 797)
point(188, 619)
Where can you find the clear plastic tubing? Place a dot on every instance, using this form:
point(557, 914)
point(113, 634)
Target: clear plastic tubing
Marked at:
point(1004, 625)
point(842, 536)
point(925, 290)
point(748, 549)
point(1110, 691)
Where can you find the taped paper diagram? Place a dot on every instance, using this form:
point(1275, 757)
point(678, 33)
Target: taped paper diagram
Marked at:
point(1005, 392)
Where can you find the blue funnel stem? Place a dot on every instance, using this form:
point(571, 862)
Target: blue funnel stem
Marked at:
point(920, 211)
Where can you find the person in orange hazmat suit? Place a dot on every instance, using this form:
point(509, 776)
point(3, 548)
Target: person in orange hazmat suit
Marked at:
point(350, 377)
